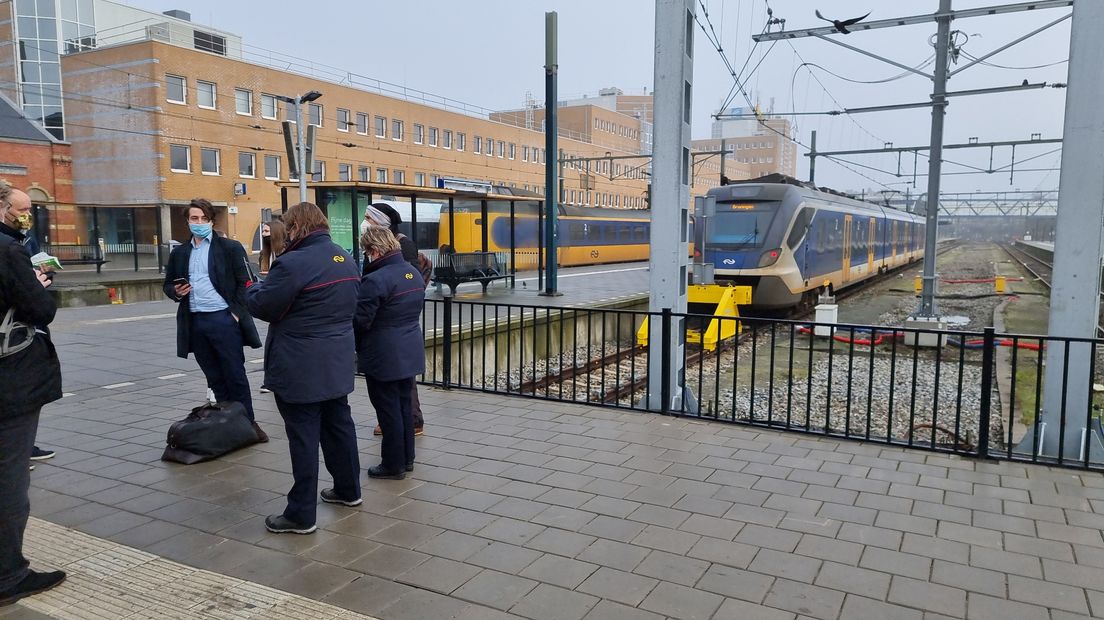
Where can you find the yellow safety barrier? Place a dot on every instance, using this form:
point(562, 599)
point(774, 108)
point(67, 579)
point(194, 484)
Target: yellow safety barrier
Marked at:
point(725, 301)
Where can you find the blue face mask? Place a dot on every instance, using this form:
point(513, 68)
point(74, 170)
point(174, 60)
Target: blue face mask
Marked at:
point(201, 231)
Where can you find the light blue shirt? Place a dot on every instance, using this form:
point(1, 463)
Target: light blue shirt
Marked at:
point(204, 297)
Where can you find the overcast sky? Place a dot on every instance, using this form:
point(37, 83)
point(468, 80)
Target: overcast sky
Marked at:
point(490, 53)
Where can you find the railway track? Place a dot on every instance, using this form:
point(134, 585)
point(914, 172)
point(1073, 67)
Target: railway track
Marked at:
point(1041, 269)
point(632, 362)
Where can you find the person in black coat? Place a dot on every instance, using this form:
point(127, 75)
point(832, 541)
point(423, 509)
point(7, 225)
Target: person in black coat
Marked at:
point(16, 223)
point(30, 377)
point(308, 300)
point(390, 345)
point(410, 255)
point(207, 277)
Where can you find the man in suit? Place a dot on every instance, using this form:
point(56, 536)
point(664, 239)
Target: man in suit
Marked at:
point(207, 277)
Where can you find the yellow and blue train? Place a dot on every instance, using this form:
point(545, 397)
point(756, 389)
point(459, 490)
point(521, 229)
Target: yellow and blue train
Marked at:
point(787, 241)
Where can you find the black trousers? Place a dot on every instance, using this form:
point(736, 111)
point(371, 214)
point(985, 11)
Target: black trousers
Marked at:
point(329, 424)
point(416, 405)
point(17, 434)
point(391, 400)
point(217, 345)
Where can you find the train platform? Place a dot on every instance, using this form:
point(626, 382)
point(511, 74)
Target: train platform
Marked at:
point(522, 508)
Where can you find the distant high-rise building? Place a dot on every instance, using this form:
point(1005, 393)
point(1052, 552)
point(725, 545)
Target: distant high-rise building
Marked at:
point(41, 31)
point(761, 141)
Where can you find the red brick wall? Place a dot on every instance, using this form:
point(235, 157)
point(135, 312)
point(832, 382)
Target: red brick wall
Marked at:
point(50, 170)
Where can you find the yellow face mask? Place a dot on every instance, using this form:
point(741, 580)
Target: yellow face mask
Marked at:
point(24, 221)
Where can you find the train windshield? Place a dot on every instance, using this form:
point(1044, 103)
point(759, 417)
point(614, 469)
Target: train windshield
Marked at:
point(741, 224)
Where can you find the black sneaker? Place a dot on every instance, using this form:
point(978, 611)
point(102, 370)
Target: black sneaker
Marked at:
point(331, 497)
point(33, 583)
point(279, 524)
point(38, 454)
point(379, 472)
point(410, 466)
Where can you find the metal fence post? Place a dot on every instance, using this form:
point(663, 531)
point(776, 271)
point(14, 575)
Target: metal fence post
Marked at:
point(446, 333)
point(665, 384)
point(989, 345)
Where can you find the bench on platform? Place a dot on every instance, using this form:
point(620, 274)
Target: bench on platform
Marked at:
point(458, 268)
point(78, 255)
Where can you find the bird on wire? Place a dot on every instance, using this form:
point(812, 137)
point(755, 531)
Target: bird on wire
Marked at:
point(841, 25)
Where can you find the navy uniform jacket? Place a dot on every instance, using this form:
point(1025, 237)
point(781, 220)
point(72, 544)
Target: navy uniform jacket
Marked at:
point(226, 265)
point(390, 344)
point(308, 300)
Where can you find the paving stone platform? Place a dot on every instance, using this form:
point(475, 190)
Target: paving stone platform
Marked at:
point(535, 509)
point(105, 579)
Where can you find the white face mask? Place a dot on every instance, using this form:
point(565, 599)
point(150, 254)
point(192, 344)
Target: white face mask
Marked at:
point(364, 225)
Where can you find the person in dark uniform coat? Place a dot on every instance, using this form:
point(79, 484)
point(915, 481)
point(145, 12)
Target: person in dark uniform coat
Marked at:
point(308, 300)
point(410, 255)
point(208, 276)
point(390, 345)
point(30, 377)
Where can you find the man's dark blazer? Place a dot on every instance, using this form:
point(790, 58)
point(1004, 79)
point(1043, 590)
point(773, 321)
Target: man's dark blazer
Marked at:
point(229, 274)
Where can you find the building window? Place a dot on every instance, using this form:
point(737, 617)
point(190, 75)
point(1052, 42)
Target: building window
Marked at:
point(396, 130)
point(381, 175)
point(419, 133)
point(315, 114)
point(524, 153)
point(419, 179)
point(490, 147)
point(176, 89)
point(446, 139)
point(205, 94)
point(513, 151)
point(477, 146)
point(319, 171)
point(243, 101)
point(247, 165)
point(268, 106)
point(381, 127)
point(272, 167)
point(400, 177)
point(433, 136)
point(433, 180)
point(209, 42)
point(209, 161)
point(343, 120)
point(362, 123)
point(344, 172)
point(363, 172)
point(461, 139)
point(501, 149)
point(180, 158)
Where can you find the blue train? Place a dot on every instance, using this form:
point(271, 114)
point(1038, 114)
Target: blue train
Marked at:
point(789, 242)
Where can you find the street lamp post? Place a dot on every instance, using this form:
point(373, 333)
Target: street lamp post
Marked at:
point(301, 150)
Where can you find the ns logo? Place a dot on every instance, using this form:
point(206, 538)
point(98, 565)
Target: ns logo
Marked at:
point(729, 261)
point(338, 258)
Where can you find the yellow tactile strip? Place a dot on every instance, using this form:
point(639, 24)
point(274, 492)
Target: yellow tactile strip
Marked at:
point(109, 581)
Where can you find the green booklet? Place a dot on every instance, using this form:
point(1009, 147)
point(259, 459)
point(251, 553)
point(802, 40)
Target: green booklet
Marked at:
point(43, 259)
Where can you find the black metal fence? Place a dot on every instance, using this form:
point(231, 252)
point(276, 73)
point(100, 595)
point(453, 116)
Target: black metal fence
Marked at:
point(962, 392)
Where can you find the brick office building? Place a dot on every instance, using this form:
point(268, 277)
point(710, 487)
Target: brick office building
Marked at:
point(156, 122)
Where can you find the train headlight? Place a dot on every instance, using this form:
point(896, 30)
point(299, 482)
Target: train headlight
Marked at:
point(770, 257)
